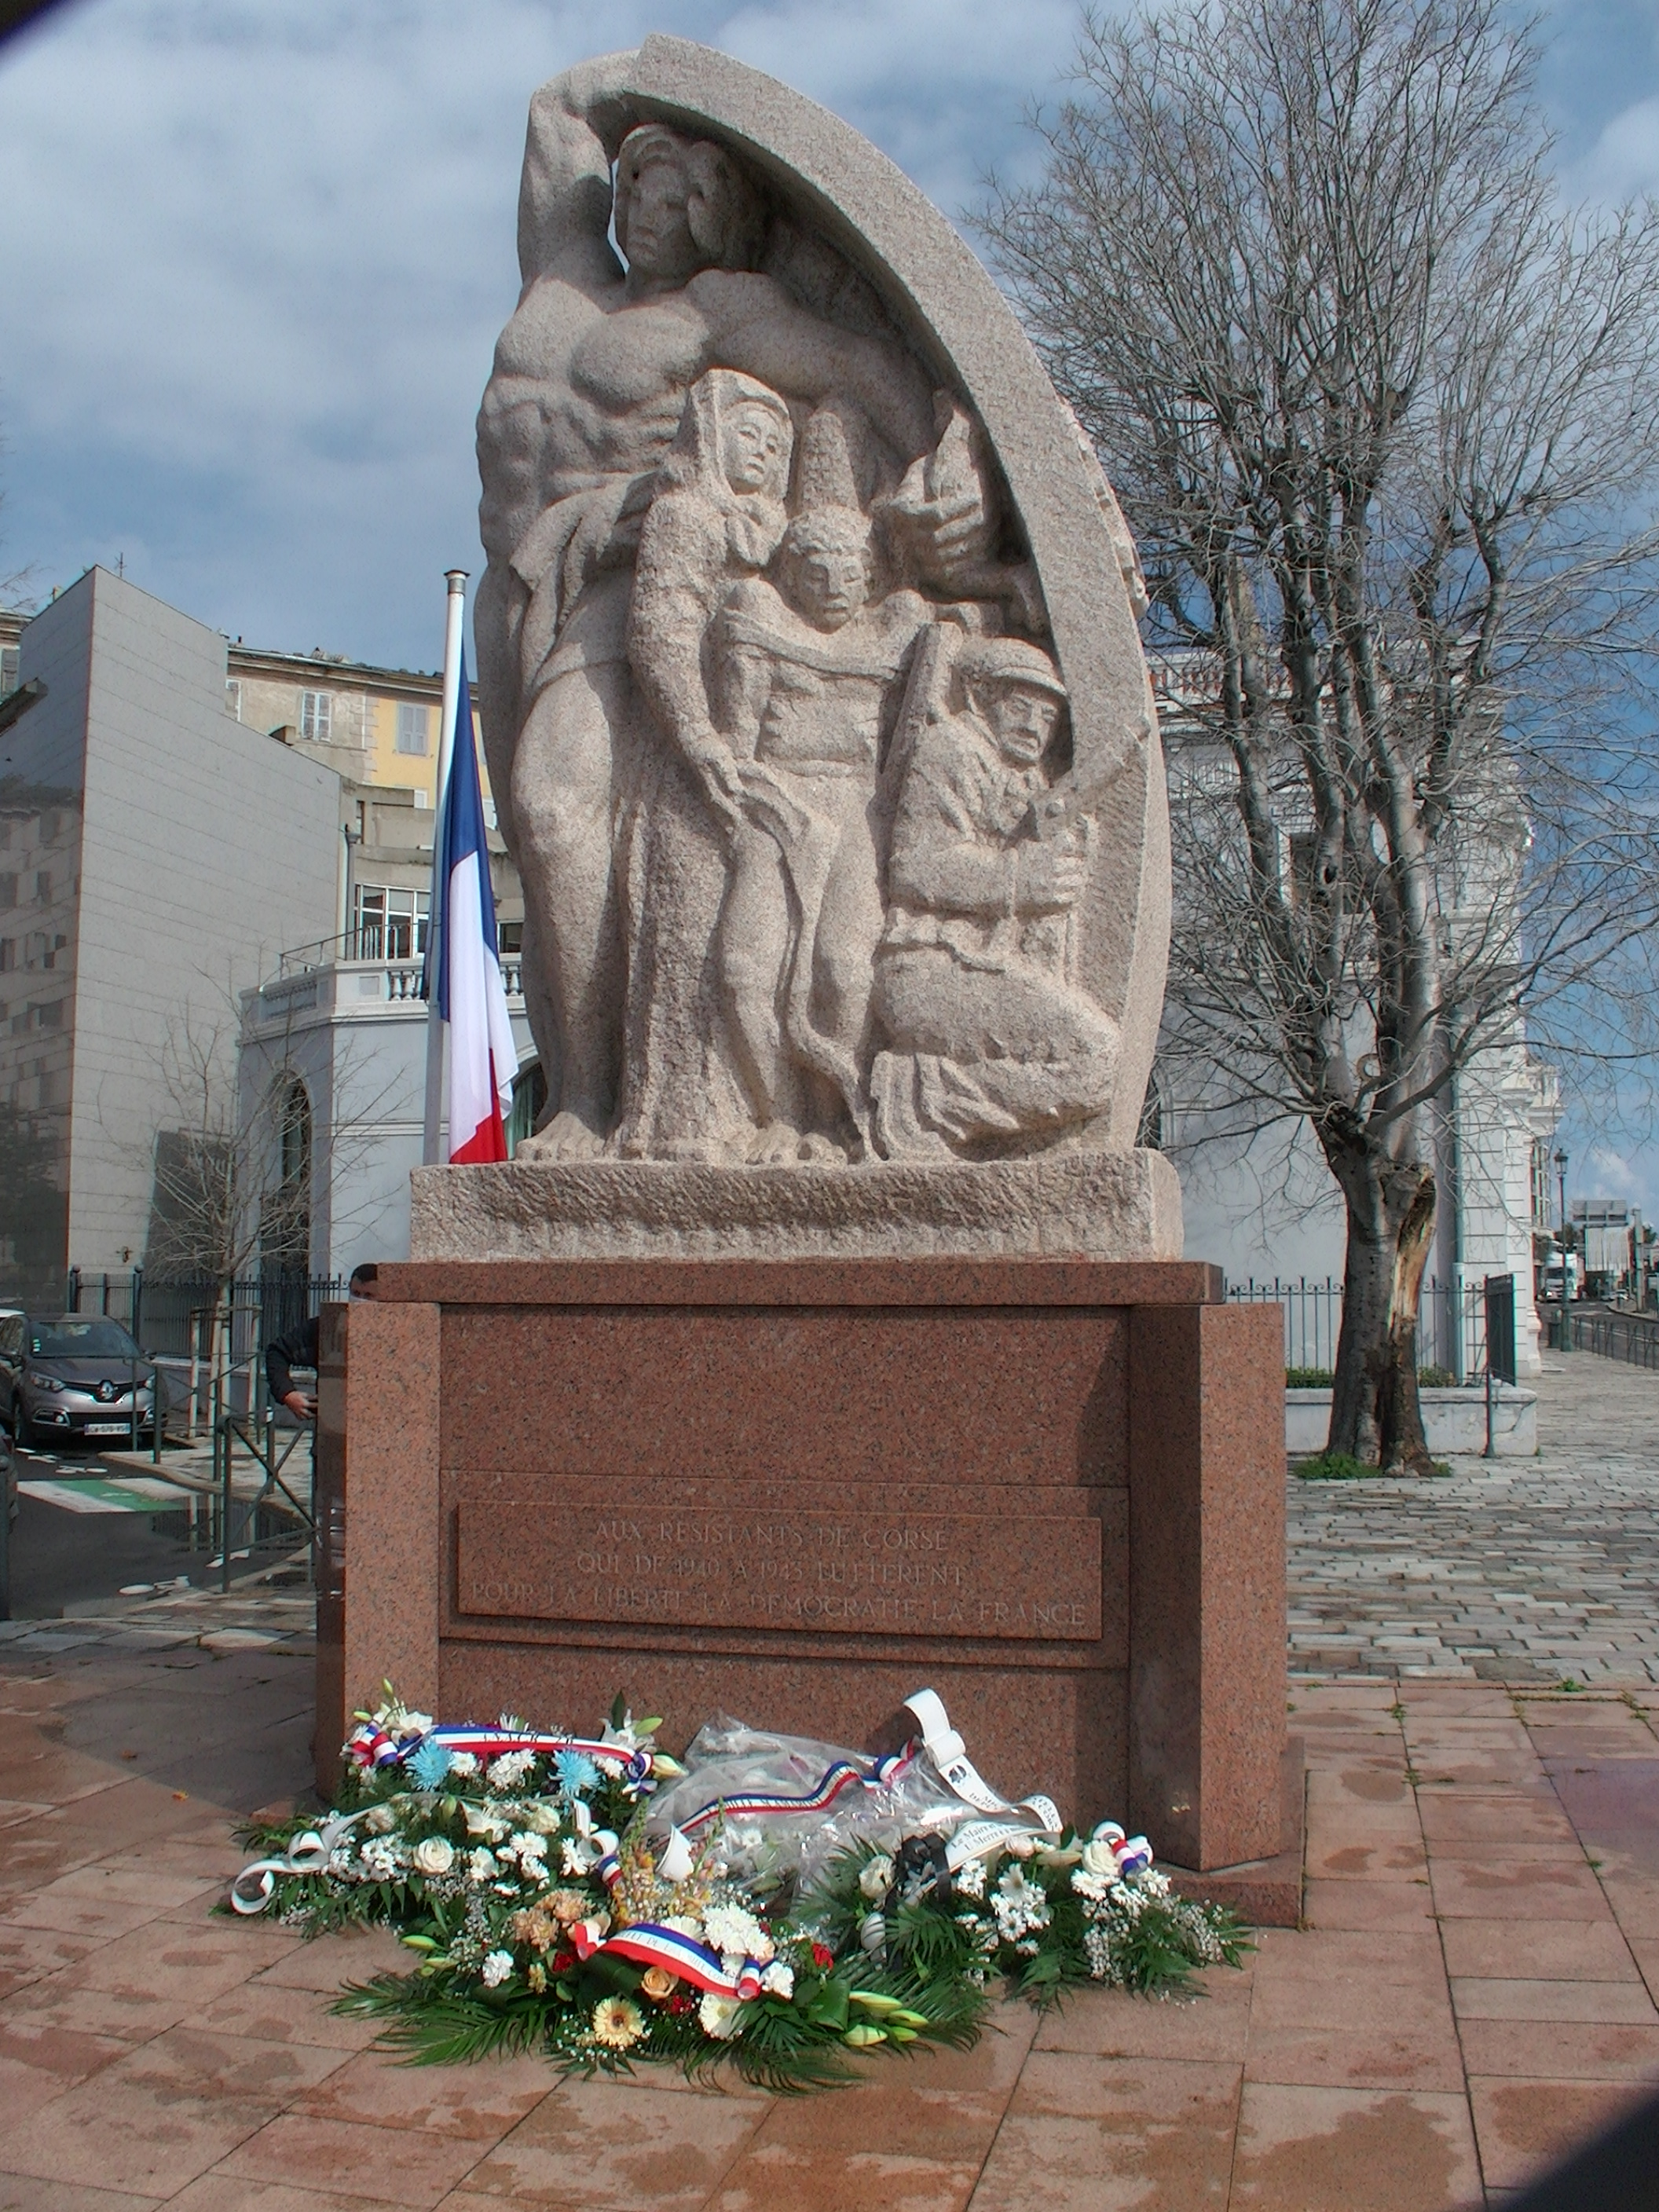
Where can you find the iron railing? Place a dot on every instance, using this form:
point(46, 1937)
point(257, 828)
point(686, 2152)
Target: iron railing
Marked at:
point(1632, 1337)
point(174, 1319)
point(1450, 1324)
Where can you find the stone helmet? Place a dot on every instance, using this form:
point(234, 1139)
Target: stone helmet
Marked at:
point(1007, 660)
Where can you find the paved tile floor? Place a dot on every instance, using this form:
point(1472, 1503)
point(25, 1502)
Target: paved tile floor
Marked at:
point(1474, 1989)
point(1516, 1570)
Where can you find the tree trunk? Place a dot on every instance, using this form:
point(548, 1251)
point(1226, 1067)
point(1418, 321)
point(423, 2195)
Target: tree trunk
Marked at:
point(1375, 1413)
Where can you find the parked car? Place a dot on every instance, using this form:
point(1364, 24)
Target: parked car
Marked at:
point(65, 1376)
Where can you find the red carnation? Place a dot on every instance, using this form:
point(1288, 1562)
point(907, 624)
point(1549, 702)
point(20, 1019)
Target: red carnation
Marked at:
point(822, 1955)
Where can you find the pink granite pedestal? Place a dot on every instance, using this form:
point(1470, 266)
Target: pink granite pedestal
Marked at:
point(796, 1491)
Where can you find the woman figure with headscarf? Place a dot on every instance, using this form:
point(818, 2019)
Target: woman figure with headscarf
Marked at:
point(718, 517)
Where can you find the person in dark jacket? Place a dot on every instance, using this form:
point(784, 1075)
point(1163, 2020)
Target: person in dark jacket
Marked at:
point(299, 1349)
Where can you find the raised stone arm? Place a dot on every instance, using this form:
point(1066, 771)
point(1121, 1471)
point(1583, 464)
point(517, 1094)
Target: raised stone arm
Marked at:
point(757, 327)
point(564, 194)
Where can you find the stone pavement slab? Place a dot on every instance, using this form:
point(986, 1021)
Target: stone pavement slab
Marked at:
point(1472, 1990)
point(1529, 1571)
point(1470, 1994)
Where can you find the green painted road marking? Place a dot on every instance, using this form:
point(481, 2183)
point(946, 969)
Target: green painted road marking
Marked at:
point(93, 1495)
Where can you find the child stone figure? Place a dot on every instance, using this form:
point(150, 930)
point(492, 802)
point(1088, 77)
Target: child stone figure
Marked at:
point(986, 1040)
point(806, 670)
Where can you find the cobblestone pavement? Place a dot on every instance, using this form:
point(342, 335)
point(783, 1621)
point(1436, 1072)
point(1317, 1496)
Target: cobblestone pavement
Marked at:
point(1531, 1571)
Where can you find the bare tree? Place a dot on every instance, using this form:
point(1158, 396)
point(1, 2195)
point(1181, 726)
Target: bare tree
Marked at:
point(1382, 412)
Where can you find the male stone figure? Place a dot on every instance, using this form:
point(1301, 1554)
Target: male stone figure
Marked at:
point(988, 1042)
point(588, 389)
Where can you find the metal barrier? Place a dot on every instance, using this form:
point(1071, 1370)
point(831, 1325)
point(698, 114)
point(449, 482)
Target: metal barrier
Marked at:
point(1450, 1325)
point(1634, 1338)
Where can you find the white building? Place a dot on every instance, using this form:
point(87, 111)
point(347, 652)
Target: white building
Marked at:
point(1261, 1202)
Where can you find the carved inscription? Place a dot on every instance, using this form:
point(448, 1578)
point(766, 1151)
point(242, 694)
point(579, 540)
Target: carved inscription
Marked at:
point(874, 1573)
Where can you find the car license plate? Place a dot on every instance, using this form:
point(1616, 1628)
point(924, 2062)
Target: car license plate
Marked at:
point(108, 1428)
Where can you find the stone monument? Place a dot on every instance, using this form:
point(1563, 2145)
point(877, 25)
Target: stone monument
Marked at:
point(828, 1329)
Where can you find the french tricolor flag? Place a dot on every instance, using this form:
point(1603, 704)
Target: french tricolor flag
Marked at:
point(462, 954)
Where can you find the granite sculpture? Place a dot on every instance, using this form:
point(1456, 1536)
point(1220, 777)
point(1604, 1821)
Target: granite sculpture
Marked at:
point(809, 672)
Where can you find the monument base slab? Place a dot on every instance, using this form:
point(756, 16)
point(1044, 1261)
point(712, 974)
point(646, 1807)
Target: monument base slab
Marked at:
point(797, 1491)
point(1082, 1205)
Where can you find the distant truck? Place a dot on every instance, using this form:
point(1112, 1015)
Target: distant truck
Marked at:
point(1562, 1275)
point(1607, 1229)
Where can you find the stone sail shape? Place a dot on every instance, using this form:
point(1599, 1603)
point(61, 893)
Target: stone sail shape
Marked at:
point(834, 181)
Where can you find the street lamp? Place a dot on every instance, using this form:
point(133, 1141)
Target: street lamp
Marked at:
point(1561, 1180)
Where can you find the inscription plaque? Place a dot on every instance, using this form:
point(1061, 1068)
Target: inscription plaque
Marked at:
point(918, 1574)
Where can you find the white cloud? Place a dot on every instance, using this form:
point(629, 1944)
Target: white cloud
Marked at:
point(253, 263)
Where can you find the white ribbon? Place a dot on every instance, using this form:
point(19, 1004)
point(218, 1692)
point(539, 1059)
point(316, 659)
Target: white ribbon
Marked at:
point(309, 1853)
point(1032, 1816)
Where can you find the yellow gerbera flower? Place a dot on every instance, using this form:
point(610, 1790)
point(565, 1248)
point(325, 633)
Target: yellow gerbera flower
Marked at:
point(617, 2022)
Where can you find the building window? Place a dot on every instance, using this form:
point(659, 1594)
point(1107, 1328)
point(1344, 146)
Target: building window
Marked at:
point(317, 717)
point(413, 727)
point(10, 664)
point(509, 937)
point(234, 699)
point(8, 954)
point(390, 922)
point(43, 887)
point(8, 890)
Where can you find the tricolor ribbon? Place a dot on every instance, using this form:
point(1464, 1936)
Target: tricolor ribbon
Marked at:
point(371, 1745)
point(645, 1943)
point(488, 1743)
point(833, 1783)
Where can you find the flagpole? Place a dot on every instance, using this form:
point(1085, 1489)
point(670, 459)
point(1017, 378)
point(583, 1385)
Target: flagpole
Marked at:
point(431, 1140)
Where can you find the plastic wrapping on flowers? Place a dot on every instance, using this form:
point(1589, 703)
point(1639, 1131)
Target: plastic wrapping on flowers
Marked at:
point(773, 1904)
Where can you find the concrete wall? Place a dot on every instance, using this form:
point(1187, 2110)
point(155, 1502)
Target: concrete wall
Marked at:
point(205, 849)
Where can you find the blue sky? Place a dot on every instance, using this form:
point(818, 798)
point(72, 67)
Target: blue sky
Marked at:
point(253, 259)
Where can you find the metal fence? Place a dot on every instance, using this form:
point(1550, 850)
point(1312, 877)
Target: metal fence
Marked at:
point(175, 1319)
point(1631, 1337)
point(1450, 1324)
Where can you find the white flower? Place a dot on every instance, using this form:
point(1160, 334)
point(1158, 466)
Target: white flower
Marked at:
point(414, 1723)
point(1097, 1857)
point(778, 1980)
point(1154, 1884)
point(542, 1818)
point(481, 1865)
point(381, 1859)
point(730, 1930)
point(1094, 1886)
point(579, 1856)
point(876, 1879)
point(481, 1821)
point(379, 1819)
point(463, 1763)
point(1021, 1847)
point(970, 1881)
point(1019, 1905)
point(512, 1766)
point(433, 1855)
point(718, 2017)
point(496, 1968)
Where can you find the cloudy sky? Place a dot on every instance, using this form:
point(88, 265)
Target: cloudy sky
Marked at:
point(253, 258)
